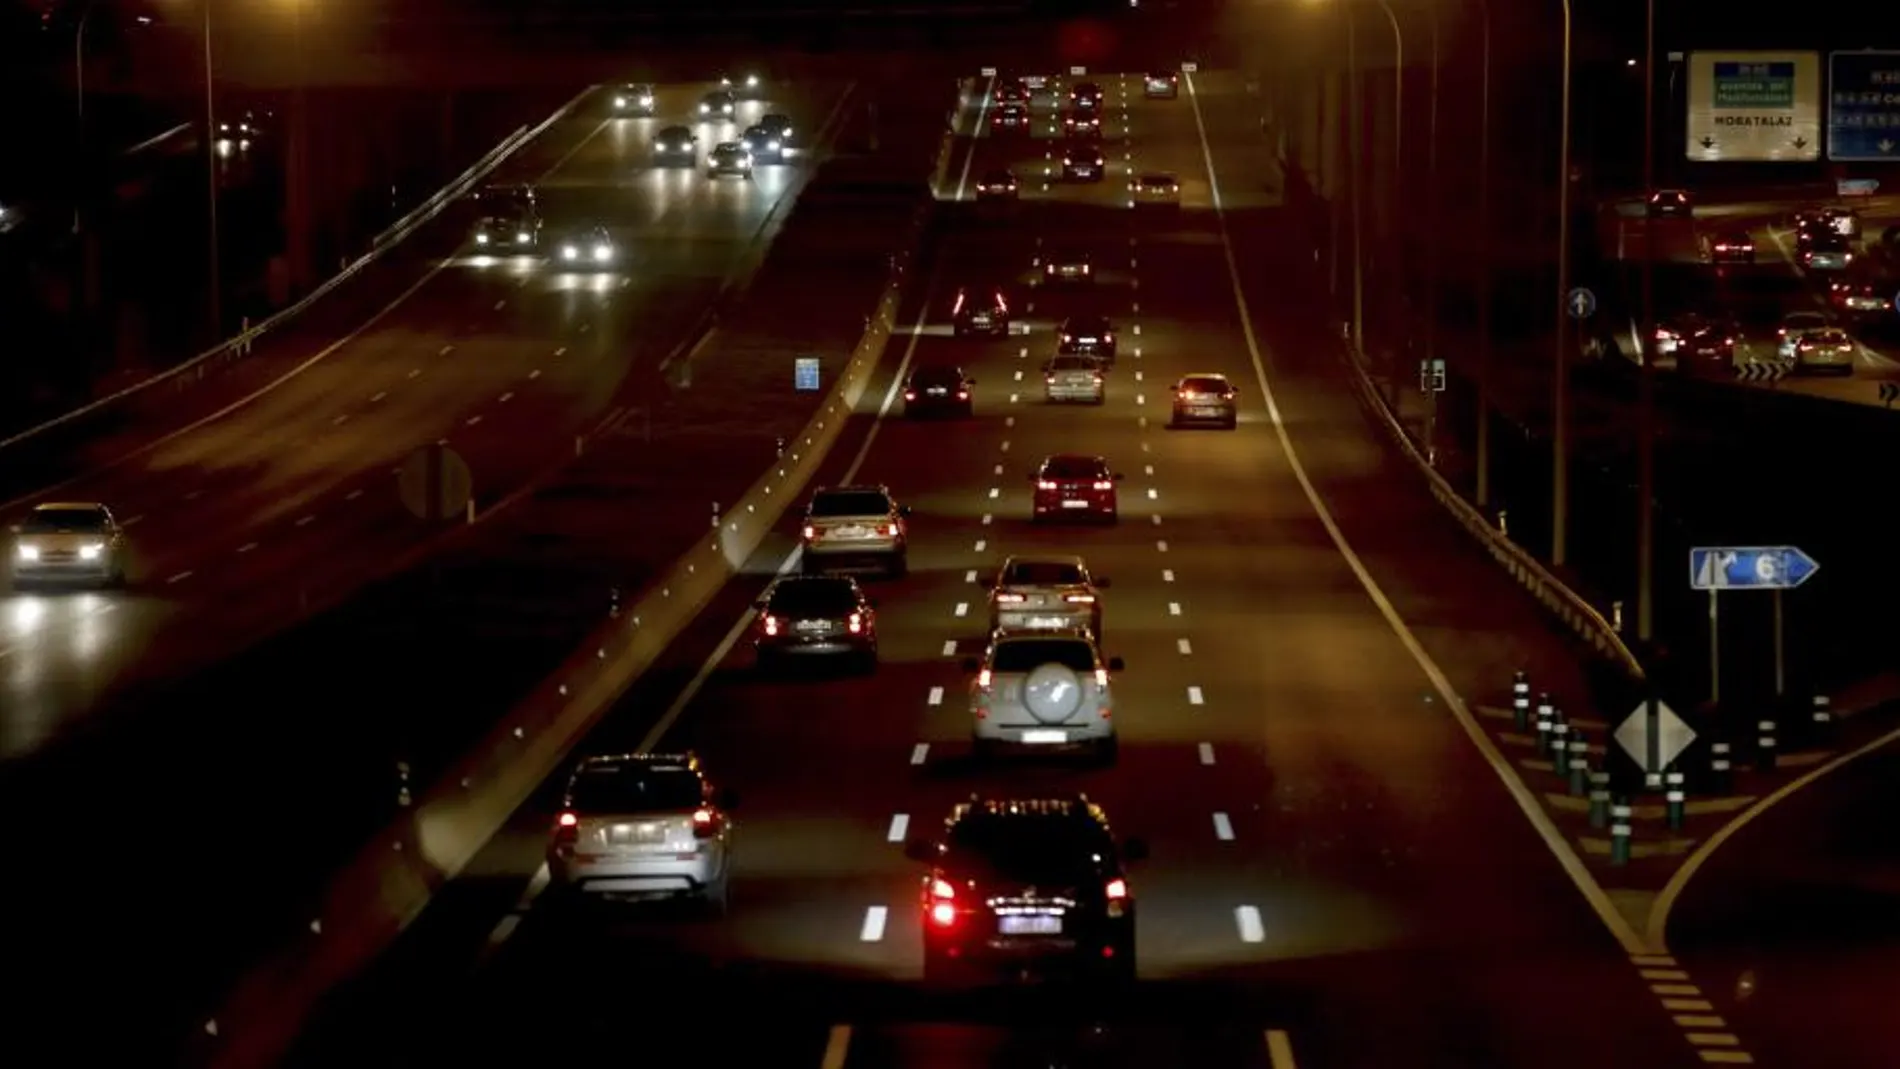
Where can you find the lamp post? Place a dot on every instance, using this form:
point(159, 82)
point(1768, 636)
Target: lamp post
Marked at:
point(215, 281)
point(1431, 238)
point(1398, 167)
point(1484, 256)
point(1560, 370)
point(1646, 343)
point(1356, 135)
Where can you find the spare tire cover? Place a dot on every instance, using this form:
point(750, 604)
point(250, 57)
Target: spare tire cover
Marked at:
point(1052, 692)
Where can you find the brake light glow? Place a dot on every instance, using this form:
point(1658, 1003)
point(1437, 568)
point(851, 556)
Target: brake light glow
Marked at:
point(1101, 677)
point(983, 679)
point(566, 827)
point(1067, 338)
point(1010, 599)
point(856, 623)
point(1116, 890)
point(959, 305)
point(963, 395)
point(1080, 599)
point(910, 395)
point(705, 823)
point(769, 624)
point(810, 532)
point(943, 914)
point(1104, 484)
point(567, 820)
point(943, 889)
point(886, 530)
point(1045, 484)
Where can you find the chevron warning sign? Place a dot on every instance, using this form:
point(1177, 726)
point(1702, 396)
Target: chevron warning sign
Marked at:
point(1769, 371)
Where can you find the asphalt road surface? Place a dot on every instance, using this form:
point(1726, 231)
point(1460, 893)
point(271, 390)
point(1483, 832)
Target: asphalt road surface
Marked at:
point(1336, 880)
point(1791, 923)
point(239, 524)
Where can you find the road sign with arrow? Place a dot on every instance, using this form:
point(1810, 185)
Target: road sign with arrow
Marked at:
point(1654, 736)
point(1863, 109)
point(1582, 303)
point(1768, 371)
point(1889, 393)
point(1754, 106)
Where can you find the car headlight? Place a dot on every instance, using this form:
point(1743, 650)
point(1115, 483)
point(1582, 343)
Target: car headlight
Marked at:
point(620, 102)
point(772, 146)
point(646, 101)
point(569, 252)
point(92, 551)
point(481, 239)
point(603, 253)
point(523, 238)
point(751, 81)
point(664, 147)
point(705, 109)
point(29, 553)
point(725, 109)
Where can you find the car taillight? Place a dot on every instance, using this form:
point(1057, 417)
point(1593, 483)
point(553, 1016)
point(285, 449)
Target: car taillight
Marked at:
point(1010, 599)
point(1085, 269)
point(810, 532)
point(1104, 484)
point(1116, 890)
point(983, 679)
point(958, 307)
point(705, 823)
point(856, 623)
point(886, 530)
point(943, 914)
point(1101, 678)
point(910, 395)
point(1049, 378)
point(1096, 378)
point(942, 890)
point(1048, 269)
point(963, 395)
point(1045, 484)
point(1080, 599)
point(1067, 338)
point(769, 624)
point(566, 827)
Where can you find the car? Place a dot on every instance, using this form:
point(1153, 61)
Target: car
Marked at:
point(590, 246)
point(764, 145)
point(1083, 163)
point(1829, 349)
point(1043, 689)
point(1827, 251)
point(643, 826)
point(815, 616)
point(1082, 124)
point(1011, 91)
point(1794, 326)
point(718, 104)
point(1702, 346)
point(507, 230)
point(1862, 293)
point(979, 310)
point(633, 99)
point(1010, 117)
point(1156, 189)
point(1087, 335)
point(846, 526)
point(1844, 222)
point(1161, 85)
point(1086, 95)
point(747, 86)
point(676, 145)
point(69, 541)
point(1075, 485)
point(1732, 247)
point(1671, 203)
point(1202, 398)
point(1027, 883)
point(1035, 83)
point(780, 124)
point(1074, 378)
point(729, 158)
point(509, 197)
point(1067, 265)
point(997, 185)
point(939, 390)
point(1046, 593)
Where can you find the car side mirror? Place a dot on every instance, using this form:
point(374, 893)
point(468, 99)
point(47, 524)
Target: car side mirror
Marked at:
point(988, 582)
point(920, 850)
point(1135, 850)
point(1102, 582)
point(1115, 664)
point(970, 666)
point(728, 798)
point(903, 510)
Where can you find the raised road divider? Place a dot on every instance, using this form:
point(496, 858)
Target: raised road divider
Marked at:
point(373, 899)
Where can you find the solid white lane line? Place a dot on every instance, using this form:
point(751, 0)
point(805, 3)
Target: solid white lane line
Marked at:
point(1528, 803)
point(179, 578)
point(900, 824)
point(1206, 751)
point(962, 609)
point(936, 696)
point(1279, 1050)
point(838, 1046)
point(1174, 608)
point(1247, 919)
point(378, 396)
point(970, 576)
point(949, 647)
point(304, 521)
point(247, 547)
point(353, 494)
point(920, 753)
point(1223, 828)
point(1184, 646)
point(872, 930)
point(1195, 697)
point(340, 420)
point(1167, 575)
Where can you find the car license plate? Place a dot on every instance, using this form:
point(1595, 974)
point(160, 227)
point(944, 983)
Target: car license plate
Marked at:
point(1091, 341)
point(1030, 925)
point(981, 319)
point(851, 530)
point(1207, 411)
point(1045, 738)
point(1048, 621)
point(813, 625)
point(937, 391)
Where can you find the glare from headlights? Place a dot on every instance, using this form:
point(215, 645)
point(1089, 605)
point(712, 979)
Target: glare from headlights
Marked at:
point(772, 146)
point(603, 253)
point(569, 252)
point(705, 109)
point(646, 101)
point(91, 552)
point(620, 102)
point(752, 81)
point(29, 552)
point(481, 239)
point(522, 238)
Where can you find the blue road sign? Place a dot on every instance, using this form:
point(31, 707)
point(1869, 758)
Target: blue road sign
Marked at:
point(1582, 303)
point(1750, 568)
point(805, 373)
point(1863, 106)
point(1857, 187)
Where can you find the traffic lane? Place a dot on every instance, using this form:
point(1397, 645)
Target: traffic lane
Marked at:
point(281, 470)
point(1791, 925)
point(1382, 799)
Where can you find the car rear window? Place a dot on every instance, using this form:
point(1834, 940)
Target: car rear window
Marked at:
point(1029, 849)
point(1042, 573)
point(47, 520)
point(813, 598)
point(1156, 181)
point(1805, 321)
point(1072, 468)
point(1074, 363)
point(619, 789)
point(936, 376)
point(1029, 654)
point(850, 503)
point(1088, 325)
point(1200, 384)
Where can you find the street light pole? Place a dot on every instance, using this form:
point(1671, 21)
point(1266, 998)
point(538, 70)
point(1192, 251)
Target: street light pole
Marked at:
point(215, 281)
point(1646, 346)
point(1431, 203)
point(1560, 369)
point(1356, 136)
point(1484, 257)
point(1398, 173)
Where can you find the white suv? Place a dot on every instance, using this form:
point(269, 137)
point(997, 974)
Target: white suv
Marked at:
point(1043, 690)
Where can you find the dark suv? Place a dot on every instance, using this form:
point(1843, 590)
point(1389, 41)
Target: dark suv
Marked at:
point(1022, 884)
point(1087, 335)
point(979, 310)
point(815, 616)
point(941, 390)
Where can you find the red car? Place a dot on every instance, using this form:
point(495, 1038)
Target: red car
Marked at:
point(1075, 485)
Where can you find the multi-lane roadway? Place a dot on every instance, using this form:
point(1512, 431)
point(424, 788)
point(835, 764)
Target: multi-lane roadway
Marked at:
point(183, 802)
point(1338, 877)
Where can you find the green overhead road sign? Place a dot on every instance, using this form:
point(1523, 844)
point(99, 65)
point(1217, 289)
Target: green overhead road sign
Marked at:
point(1754, 107)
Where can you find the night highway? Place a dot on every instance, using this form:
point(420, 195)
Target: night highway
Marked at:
point(1337, 877)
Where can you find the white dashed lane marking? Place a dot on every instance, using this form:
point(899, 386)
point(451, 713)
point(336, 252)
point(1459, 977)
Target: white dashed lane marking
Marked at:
point(920, 753)
point(340, 420)
point(900, 825)
point(987, 518)
point(179, 578)
point(1174, 608)
point(378, 396)
point(305, 521)
point(1195, 697)
point(962, 609)
point(982, 544)
point(1247, 919)
point(507, 397)
point(1162, 546)
point(1153, 494)
point(970, 576)
point(1223, 828)
point(1184, 646)
point(999, 469)
point(353, 494)
point(247, 547)
point(872, 931)
point(995, 492)
point(413, 372)
point(445, 350)
point(1167, 575)
point(1206, 751)
point(949, 647)
point(936, 696)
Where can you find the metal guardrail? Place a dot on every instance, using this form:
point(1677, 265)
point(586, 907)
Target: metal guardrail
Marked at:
point(239, 345)
point(1576, 612)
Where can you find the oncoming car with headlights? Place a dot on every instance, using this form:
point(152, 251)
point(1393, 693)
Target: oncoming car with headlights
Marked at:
point(764, 145)
point(718, 104)
point(748, 86)
point(589, 247)
point(731, 159)
point(507, 231)
point(780, 124)
point(633, 99)
point(77, 541)
point(676, 145)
